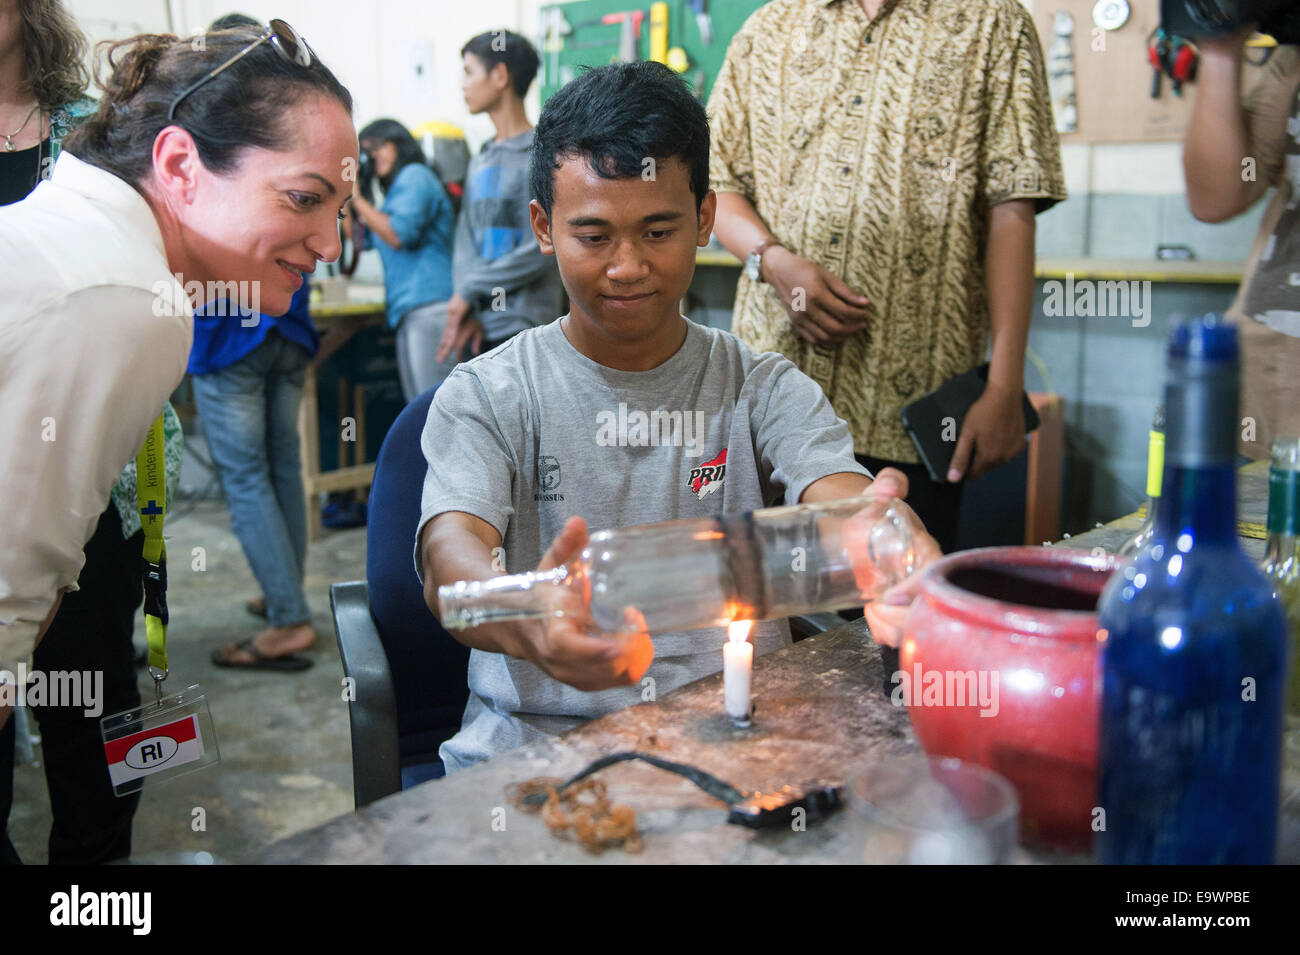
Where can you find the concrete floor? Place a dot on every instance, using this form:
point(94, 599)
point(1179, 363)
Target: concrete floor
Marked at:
point(286, 757)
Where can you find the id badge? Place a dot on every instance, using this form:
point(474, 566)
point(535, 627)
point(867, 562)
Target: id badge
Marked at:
point(160, 740)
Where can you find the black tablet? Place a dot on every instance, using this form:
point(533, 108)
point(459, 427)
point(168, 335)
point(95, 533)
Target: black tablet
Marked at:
point(934, 420)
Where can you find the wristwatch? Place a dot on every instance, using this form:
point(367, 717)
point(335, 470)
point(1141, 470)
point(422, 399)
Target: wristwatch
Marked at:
point(754, 264)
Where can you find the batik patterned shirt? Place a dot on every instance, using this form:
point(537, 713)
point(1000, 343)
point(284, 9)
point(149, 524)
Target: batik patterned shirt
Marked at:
point(876, 148)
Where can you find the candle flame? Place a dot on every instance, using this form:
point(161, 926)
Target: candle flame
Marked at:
point(738, 630)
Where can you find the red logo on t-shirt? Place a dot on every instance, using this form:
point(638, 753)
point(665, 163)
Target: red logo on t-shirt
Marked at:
point(707, 478)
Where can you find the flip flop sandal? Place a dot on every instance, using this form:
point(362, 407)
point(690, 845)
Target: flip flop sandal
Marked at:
point(260, 661)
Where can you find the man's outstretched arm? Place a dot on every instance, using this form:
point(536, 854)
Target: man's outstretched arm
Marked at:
point(1217, 144)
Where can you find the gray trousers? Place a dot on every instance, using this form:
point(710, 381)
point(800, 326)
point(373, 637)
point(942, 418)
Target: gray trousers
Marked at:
point(418, 335)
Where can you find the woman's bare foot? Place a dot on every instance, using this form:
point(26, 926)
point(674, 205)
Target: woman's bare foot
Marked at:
point(257, 607)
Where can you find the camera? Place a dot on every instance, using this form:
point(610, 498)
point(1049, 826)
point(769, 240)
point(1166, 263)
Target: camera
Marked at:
point(1215, 18)
point(366, 176)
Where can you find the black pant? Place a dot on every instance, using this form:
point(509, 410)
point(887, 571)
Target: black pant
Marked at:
point(92, 631)
point(939, 508)
point(937, 505)
point(8, 854)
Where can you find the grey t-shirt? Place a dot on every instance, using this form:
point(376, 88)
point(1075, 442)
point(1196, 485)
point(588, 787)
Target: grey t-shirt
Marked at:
point(534, 432)
point(497, 266)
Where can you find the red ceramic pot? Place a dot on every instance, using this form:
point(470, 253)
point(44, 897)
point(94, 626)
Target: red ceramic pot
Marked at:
point(1000, 665)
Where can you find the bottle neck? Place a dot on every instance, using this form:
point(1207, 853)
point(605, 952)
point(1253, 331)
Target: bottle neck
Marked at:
point(1200, 501)
point(1199, 489)
point(468, 604)
point(1283, 516)
point(1283, 502)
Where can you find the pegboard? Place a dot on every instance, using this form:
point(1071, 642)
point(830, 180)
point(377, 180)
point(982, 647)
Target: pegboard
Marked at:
point(593, 43)
point(1113, 76)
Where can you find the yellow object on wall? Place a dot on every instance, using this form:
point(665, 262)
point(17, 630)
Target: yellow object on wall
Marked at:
point(659, 32)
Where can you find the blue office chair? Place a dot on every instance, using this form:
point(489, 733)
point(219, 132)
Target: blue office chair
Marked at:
point(410, 674)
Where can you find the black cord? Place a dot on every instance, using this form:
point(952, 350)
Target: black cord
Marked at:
point(813, 800)
point(712, 785)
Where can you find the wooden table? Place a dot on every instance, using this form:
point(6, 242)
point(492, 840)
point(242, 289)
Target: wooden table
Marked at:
point(820, 713)
point(337, 323)
point(1252, 513)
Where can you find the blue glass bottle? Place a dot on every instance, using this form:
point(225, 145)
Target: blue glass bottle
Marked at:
point(1195, 654)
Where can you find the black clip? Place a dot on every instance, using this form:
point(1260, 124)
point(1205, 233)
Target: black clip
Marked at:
point(155, 590)
point(817, 799)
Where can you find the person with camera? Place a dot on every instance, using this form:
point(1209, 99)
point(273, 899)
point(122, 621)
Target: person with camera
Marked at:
point(414, 228)
point(1236, 149)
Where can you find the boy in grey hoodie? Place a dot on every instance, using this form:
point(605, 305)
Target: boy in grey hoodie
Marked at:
point(503, 283)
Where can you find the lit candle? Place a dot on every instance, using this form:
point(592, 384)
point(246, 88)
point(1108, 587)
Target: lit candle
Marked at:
point(737, 665)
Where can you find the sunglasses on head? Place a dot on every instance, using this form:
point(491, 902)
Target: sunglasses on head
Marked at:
point(284, 39)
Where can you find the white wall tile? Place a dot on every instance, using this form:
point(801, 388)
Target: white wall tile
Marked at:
point(1077, 162)
point(1138, 169)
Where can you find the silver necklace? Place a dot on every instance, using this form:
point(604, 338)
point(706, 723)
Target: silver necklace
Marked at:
point(9, 137)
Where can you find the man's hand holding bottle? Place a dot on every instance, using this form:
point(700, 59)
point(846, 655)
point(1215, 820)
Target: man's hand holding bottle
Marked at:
point(548, 616)
point(457, 546)
point(571, 648)
point(885, 614)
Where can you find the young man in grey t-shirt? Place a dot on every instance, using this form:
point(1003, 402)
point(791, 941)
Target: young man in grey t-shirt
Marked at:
point(503, 283)
point(623, 412)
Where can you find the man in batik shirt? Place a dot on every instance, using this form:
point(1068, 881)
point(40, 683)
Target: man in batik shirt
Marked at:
point(885, 160)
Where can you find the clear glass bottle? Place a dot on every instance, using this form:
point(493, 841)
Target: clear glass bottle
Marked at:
point(1282, 556)
point(1155, 472)
point(1193, 667)
point(691, 574)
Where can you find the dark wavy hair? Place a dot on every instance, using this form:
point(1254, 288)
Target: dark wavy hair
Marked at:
point(508, 47)
point(53, 53)
point(243, 107)
point(391, 131)
point(614, 117)
point(231, 21)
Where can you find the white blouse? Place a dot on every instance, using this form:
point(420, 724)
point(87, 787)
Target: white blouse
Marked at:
point(95, 334)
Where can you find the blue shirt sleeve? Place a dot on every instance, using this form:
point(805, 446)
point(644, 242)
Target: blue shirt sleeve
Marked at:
point(412, 203)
